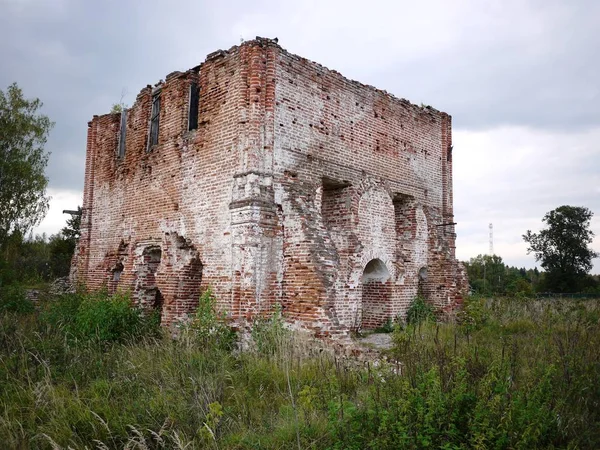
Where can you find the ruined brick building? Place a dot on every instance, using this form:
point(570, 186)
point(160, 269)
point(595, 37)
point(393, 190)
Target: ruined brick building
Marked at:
point(273, 180)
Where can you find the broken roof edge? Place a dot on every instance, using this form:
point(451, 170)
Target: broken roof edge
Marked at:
point(263, 42)
point(268, 42)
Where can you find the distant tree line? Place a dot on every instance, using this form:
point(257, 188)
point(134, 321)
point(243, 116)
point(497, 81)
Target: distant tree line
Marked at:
point(563, 249)
point(489, 275)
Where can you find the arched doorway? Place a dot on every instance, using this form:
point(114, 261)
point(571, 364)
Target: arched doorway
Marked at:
point(376, 294)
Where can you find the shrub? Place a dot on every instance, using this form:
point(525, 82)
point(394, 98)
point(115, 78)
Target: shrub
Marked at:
point(386, 327)
point(61, 311)
point(210, 327)
point(419, 311)
point(108, 319)
point(8, 276)
point(14, 299)
point(99, 317)
point(474, 314)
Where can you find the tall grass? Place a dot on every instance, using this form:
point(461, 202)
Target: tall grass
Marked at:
point(510, 374)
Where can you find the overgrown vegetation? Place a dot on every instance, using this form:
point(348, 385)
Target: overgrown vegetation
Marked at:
point(99, 318)
point(208, 327)
point(89, 371)
point(33, 261)
point(419, 311)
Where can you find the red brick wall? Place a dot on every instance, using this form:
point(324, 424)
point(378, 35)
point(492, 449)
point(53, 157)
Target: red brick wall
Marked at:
point(331, 131)
point(376, 304)
point(294, 180)
point(175, 197)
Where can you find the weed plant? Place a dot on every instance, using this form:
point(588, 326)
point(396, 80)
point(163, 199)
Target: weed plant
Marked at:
point(419, 311)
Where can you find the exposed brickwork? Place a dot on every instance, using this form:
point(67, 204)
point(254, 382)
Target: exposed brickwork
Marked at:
point(376, 304)
point(295, 179)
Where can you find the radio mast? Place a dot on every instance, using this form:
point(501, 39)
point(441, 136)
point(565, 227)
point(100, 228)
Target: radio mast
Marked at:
point(491, 239)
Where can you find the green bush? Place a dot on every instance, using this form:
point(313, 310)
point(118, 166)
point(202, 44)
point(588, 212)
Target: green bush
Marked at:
point(209, 327)
point(13, 298)
point(8, 275)
point(387, 327)
point(61, 311)
point(419, 311)
point(99, 317)
point(107, 319)
point(474, 314)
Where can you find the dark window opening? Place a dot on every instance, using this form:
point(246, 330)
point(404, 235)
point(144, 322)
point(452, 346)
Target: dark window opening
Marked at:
point(117, 271)
point(122, 134)
point(154, 121)
point(157, 305)
point(193, 109)
point(146, 289)
point(115, 277)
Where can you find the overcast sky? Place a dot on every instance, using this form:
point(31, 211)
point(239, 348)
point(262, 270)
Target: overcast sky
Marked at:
point(521, 79)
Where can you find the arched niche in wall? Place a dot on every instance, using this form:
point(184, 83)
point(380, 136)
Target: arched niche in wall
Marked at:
point(146, 291)
point(422, 280)
point(376, 294)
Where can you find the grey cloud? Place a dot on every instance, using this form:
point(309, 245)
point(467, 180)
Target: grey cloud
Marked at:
point(545, 80)
point(493, 65)
point(512, 177)
point(79, 60)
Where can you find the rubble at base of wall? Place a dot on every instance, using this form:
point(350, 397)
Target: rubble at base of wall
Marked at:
point(33, 295)
point(61, 286)
point(58, 287)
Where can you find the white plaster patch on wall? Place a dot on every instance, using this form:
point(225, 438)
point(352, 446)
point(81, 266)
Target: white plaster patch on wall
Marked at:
point(420, 250)
point(376, 222)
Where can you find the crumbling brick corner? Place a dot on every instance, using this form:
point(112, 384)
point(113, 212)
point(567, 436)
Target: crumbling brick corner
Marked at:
point(272, 180)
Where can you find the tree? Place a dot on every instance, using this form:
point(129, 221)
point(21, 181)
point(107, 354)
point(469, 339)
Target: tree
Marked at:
point(23, 134)
point(62, 246)
point(487, 274)
point(563, 247)
point(73, 228)
point(40, 258)
point(61, 252)
point(117, 108)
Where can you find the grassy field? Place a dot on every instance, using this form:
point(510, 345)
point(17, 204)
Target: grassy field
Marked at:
point(90, 372)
